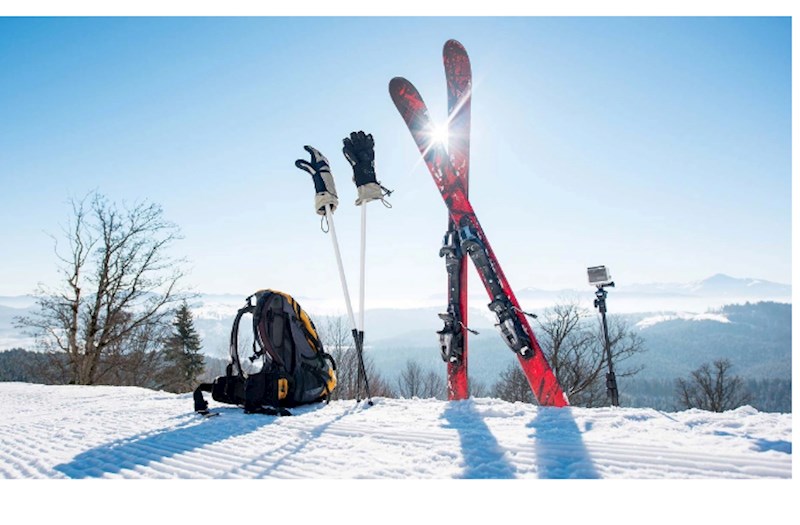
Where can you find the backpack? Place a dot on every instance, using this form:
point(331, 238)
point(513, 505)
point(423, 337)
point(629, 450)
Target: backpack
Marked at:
point(295, 369)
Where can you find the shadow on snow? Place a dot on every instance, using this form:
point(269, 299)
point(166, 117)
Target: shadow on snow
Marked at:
point(483, 457)
point(266, 465)
point(153, 447)
point(560, 452)
point(761, 444)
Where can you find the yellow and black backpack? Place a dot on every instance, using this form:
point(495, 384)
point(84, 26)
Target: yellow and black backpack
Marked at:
point(295, 369)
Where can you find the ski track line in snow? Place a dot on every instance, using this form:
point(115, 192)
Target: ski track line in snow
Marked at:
point(128, 432)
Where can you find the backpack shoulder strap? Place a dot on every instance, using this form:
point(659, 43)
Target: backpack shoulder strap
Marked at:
point(261, 326)
point(234, 341)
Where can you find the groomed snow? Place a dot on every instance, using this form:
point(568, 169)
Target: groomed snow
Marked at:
point(125, 432)
point(80, 432)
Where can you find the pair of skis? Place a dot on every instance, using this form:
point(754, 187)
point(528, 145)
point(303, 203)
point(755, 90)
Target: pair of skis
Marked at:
point(449, 166)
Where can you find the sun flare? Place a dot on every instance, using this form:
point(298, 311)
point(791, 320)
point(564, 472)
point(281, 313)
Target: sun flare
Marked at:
point(439, 134)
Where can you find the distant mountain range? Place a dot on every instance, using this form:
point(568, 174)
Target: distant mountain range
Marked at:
point(716, 286)
point(698, 296)
point(690, 314)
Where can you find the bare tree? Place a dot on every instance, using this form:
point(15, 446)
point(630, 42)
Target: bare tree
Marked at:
point(575, 350)
point(118, 284)
point(137, 360)
point(712, 387)
point(409, 383)
point(512, 385)
point(337, 339)
point(478, 388)
point(414, 381)
point(434, 385)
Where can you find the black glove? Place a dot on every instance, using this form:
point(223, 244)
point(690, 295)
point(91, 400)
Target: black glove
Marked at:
point(359, 149)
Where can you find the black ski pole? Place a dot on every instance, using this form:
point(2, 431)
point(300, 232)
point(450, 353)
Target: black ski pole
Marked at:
point(358, 336)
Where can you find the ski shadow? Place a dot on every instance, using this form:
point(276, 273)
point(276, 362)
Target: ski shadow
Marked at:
point(560, 451)
point(155, 446)
point(483, 457)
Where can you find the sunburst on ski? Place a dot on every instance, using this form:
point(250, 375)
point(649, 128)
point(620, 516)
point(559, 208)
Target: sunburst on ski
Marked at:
point(449, 166)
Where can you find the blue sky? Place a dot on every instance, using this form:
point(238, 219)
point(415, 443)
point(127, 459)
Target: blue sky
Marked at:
point(660, 147)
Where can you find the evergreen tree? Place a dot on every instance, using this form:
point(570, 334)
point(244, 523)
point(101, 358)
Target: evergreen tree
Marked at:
point(184, 362)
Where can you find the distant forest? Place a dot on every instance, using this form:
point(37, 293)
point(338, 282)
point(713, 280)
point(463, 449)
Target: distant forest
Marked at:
point(757, 341)
point(767, 395)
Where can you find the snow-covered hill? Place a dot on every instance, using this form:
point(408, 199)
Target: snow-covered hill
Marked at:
point(125, 432)
point(101, 433)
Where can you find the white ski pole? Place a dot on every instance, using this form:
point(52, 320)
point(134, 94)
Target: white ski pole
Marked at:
point(363, 265)
point(342, 278)
point(358, 335)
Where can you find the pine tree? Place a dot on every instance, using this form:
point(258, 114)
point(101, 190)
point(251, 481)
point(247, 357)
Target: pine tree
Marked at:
point(183, 360)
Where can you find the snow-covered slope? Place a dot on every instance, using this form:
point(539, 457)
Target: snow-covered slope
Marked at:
point(684, 316)
point(114, 432)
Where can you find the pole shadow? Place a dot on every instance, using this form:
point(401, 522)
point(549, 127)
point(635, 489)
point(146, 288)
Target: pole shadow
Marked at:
point(288, 454)
point(560, 451)
point(483, 457)
point(155, 446)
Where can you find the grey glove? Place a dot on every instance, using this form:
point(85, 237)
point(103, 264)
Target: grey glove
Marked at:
point(320, 171)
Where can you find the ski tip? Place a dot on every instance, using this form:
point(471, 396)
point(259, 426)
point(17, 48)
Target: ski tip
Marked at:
point(399, 86)
point(395, 85)
point(454, 44)
point(397, 82)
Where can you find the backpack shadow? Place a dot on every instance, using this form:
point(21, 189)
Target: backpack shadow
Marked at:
point(152, 448)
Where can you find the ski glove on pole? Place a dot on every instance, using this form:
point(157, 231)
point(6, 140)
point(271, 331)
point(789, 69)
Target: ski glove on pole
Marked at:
point(359, 150)
point(320, 171)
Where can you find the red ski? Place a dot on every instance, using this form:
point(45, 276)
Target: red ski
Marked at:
point(512, 322)
point(453, 337)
